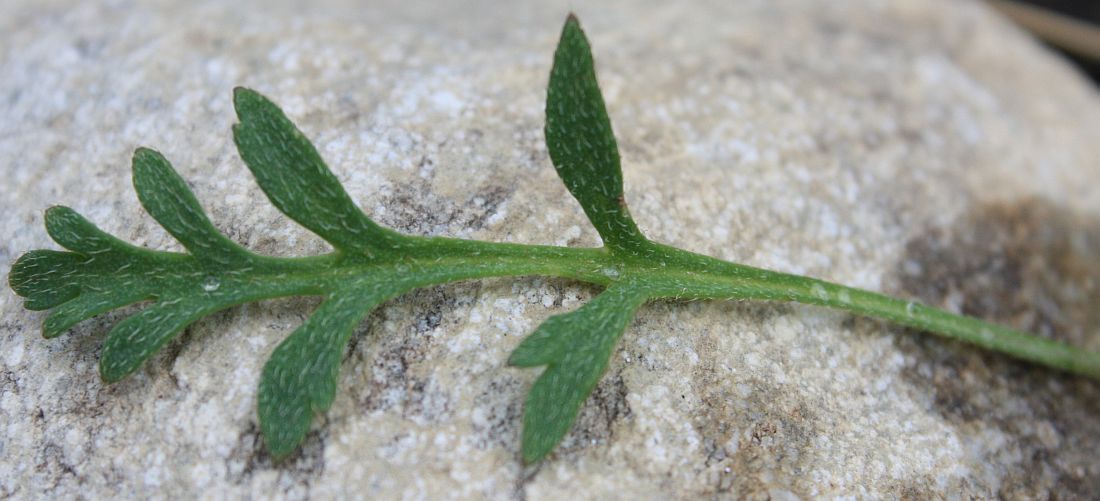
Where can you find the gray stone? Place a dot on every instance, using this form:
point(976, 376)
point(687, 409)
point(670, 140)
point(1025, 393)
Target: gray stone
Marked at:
point(925, 149)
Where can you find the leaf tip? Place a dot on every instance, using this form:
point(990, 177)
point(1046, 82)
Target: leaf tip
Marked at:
point(244, 98)
point(144, 162)
point(115, 361)
point(241, 92)
point(281, 450)
point(282, 434)
point(108, 372)
point(573, 27)
point(50, 329)
point(145, 152)
point(534, 450)
point(17, 274)
point(41, 277)
point(528, 355)
point(57, 217)
point(55, 211)
point(250, 106)
point(513, 360)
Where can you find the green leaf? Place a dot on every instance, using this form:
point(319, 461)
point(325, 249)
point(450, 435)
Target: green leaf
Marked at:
point(99, 272)
point(77, 234)
point(168, 199)
point(575, 348)
point(135, 339)
point(49, 279)
point(581, 143)
point(299, 379)
point(46, 278)
point(86, 306)
point(298, 182)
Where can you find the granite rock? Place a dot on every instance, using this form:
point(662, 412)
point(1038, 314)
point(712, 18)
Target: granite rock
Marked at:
point(926, 149)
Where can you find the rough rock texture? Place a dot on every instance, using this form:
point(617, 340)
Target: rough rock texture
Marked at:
point(923, 148)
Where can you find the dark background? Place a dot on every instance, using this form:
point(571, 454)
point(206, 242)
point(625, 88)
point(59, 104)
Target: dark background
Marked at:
point(1085, 11)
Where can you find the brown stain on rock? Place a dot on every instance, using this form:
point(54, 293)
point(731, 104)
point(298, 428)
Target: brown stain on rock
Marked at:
point(753, 443)
point(1033, 266)
point(415, 209)
point(757, 443)
point(1029, 265)
point(398, 364)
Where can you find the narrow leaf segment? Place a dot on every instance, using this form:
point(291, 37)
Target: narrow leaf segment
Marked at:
point(581, 143)
point(297, 181)
point(300, 377)
point(575, 348)
point(371, 264)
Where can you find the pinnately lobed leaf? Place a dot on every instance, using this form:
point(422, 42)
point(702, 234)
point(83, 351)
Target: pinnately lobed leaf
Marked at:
point(371, 264)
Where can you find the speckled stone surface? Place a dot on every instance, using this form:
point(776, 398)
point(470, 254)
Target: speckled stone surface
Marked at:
point(922, 148)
